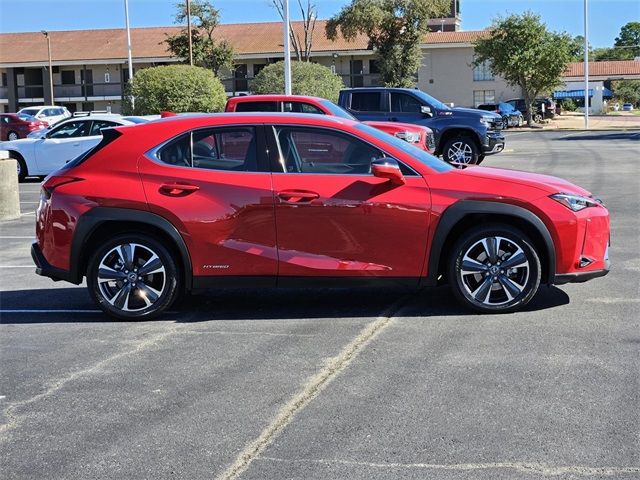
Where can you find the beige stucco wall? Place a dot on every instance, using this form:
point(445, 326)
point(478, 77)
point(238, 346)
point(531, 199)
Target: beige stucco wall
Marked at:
point(447, 74)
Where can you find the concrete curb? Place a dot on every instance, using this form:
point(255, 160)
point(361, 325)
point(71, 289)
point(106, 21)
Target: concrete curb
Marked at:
point(9, 194)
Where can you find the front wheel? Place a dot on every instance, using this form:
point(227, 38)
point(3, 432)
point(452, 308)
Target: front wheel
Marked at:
point(133, 277)
point(12, 136)
point(494, 269)
point(460, 152)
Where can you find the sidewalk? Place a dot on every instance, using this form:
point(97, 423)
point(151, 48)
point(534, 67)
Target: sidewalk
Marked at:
point(571, 121)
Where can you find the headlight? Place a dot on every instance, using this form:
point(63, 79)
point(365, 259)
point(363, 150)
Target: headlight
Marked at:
point(411, 137)
point(575, 202)
point(487, 120)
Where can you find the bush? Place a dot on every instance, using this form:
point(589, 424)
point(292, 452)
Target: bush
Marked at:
point(568, 104)
point(177, 88)
point(627, 91)
point(306, 79)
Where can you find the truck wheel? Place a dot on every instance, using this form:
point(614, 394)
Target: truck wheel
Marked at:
point(494, 269)
point(460, 152)
point(133, 277)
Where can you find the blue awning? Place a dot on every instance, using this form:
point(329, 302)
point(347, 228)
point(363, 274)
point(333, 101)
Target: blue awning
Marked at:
point(606, 93)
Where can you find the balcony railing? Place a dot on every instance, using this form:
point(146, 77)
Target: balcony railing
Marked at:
point(88, 90)
point(31, 91)
point(4, 92)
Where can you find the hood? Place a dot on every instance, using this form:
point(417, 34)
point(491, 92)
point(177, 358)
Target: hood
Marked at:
point(474, 112)
point(17, 144)
point(546, 183)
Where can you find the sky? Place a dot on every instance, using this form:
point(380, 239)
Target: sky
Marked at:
point(605, 16)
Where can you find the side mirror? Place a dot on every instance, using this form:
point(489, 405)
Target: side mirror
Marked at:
point(425, 110)
point(387, 168)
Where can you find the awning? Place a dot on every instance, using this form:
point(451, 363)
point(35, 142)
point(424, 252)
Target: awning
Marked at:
point(606, 93)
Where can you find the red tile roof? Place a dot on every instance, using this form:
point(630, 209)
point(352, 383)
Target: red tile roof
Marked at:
point(607, 68)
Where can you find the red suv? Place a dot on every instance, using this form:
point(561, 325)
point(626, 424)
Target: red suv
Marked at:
point(417, 135)
point(225, 200)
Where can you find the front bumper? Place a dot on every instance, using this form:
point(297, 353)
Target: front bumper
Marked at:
point(579, 277)
point(493, 143)
point(45, 269)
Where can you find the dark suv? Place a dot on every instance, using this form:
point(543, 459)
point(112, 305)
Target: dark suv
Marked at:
point(545, 108)
point(463, 135)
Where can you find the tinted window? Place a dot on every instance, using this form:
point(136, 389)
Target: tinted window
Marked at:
point(30, 111)
point(99, 125)
point(365, 101)
point(214, 149)
point(401, 102)
point(71, 129)
point(257, 107)
point(301, 107)
point(4, 119)
point(313, 150)
point(486, 106)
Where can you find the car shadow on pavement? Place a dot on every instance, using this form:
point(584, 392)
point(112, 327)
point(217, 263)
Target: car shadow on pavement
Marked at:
point(72, 305)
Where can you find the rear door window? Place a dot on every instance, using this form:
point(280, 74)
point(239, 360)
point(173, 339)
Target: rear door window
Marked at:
point(257, 107)
point(366, 101)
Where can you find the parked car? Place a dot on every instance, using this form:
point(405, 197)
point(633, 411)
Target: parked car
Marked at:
point(269, 199)
point(463, 135)
point(627, 107)
point(421, 137)
point(510, 116)
point(47, 113)
point(18, 125)
point(545, 108)
point(51, 149)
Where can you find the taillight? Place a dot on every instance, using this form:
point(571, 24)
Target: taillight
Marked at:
point(55, 181)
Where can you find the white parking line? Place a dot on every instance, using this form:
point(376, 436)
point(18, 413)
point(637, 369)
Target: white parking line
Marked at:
point(17, 266)
point(27, 213)
point(50, 311)
point(16, 236)
point(34, 203)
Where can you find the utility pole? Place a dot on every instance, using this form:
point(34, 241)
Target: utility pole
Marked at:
point(46, 35)
point(586, 65)
point(287, 50)
point(126, 17)
point(189, 32)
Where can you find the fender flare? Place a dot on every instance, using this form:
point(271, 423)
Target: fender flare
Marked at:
point(456, 212)
point(91, 220)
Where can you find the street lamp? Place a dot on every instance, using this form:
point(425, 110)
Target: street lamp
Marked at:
point(46, 35)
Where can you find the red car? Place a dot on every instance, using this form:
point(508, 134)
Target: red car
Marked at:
point(418, 135)
point(17, 125)
point(227, 200)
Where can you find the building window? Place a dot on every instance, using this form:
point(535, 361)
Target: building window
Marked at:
point(482, 72)
point(483, 96)
point(68, 77)
point(374, 66)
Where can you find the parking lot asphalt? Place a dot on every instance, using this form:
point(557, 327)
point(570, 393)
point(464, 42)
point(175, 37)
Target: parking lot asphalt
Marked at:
point(324, 384)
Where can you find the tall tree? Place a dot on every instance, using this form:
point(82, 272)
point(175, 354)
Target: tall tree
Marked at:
point(520, 49)
point(207, 51)
point(301, 47)
point(395, 29)
point(629, 39)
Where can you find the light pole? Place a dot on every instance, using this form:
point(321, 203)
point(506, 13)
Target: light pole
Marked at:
point(126, 19)
point(189, 32)
point(586, 65)
point(287, 50)
point(46, 35)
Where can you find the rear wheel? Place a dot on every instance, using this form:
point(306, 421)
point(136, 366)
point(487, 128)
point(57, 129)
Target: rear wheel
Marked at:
point(460, 152)
point(21, 168)
point(12, 136)
point(494, 269)
point(133, 277)
point(537, 118)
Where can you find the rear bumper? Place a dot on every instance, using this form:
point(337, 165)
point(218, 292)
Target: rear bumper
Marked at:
point(47, 270)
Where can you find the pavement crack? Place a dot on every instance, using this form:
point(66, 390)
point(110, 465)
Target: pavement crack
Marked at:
point(542, 469)
point(310, 390)
point(14, 418)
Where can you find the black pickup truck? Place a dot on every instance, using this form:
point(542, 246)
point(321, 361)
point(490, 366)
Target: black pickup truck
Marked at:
point(463, 135)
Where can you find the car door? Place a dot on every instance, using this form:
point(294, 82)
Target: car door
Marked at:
point(406, 108)
point(61, 144)
point(335, 219)
point(214, 185)
point(368, 105)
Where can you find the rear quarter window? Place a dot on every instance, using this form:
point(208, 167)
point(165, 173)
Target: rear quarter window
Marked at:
point(257, 107)
point(365, 101)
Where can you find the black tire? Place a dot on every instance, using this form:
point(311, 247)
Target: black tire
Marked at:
point(505, 123)
point(469, 282)
point(152, 292)
point(480, 159)
point(460, 151)
point(23, 172)
point(12, 136)
point(537, 118)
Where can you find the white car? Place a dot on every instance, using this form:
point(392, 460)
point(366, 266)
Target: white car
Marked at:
point(47, 113)
point(51, 149)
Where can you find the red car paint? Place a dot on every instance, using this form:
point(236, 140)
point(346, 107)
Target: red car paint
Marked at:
point(22, 125)
point(277, 225)
point(426, 140)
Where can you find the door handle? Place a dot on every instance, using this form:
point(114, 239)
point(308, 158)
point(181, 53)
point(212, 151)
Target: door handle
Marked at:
point(177, 189)
point(393, 119)
point(297, 196)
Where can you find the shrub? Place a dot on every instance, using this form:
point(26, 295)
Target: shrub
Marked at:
point(306, 79)
point(177, 88)
point(569, 104)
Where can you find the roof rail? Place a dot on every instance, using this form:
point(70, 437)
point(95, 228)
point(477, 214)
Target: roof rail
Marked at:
point(92, 112)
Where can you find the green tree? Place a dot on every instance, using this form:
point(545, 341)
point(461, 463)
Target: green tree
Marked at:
point(629, 40)
point(177, 88)
point(306, 79)
point(627, 91)
point(395, 29)
point(207, 51)
point(521, 50)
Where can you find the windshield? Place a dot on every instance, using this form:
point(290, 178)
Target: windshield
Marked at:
point(505, 107)
point(423, 157)
point(27, 118)
point(425, 97)
point(337, 110)
point(29, 111)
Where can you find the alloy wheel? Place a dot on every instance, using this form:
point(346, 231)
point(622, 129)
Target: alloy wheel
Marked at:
point(494, 271)
point(460, 154)
point(12, 136)
point(131, 277)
